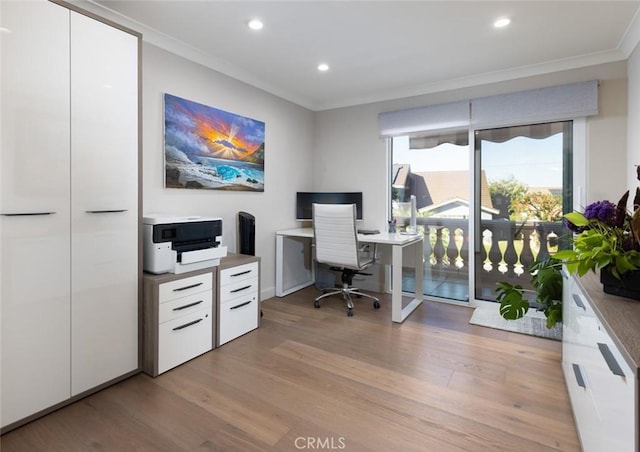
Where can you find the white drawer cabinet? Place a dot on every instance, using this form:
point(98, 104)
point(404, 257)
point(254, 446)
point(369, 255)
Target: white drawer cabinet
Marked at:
point(239, 297)
point(601, 379)
point(179, 318)
point(188, 314)
point(184, 320)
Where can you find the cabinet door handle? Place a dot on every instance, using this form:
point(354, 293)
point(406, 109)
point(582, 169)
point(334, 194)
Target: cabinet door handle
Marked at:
point(578, 301)
point(180, 308)
point(240, 289)
point(614, 367)
point(187, 287)
point(106, 211)
point(241, 273)
point(26, 214)
point(578, 374)
point(187, 324)
point(241, 304)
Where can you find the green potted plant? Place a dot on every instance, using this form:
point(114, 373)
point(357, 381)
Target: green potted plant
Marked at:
point(606, 238)
point(546, 280)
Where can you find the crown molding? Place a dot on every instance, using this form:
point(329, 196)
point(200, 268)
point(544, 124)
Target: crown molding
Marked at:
point(631, 37)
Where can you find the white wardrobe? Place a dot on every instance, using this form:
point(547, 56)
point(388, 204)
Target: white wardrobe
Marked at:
point(69, 157)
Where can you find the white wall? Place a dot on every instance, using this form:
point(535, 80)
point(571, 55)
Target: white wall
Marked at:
point(350, 154)
point(633, 112)
point(338, 149)
point(288, 148)
point(607, 144)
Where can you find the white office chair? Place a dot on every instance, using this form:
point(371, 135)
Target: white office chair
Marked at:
point(336, 244)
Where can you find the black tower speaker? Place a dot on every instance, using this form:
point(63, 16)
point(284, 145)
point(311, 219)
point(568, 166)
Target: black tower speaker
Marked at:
point(247, 233)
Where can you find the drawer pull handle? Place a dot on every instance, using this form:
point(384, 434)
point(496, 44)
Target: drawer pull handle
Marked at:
point(106, 211)
point(241, 273)
point(578, 374)
point(579, 302)
point(242, 304)
point(187, 287)
point(187, 324)
point(26, 214)
point(180, 308)
point(241, 289)
point(614, 367)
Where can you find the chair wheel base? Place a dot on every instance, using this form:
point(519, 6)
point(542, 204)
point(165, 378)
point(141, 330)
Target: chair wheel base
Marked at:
point(316, 304)
point(376, 305)
point(350, 312)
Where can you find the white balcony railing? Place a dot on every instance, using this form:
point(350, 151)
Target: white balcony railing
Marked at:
point(504, 250)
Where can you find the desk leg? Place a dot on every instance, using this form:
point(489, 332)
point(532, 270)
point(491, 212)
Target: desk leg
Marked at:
point(398, 313)
point(418, 257)
point(286, 282)
point(279, 266)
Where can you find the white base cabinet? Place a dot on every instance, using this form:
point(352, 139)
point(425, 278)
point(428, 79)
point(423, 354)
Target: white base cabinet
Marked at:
point(600, 376)
point(239, 300)
point(68, 206)
point(184, 320)
point(179, 318)
point(188, 314)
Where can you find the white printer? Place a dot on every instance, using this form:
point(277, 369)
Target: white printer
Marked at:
point(174, 244)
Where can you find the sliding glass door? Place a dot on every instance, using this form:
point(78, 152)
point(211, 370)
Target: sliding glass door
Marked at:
point(513, 183)
point(523, 186)
point(435, 169)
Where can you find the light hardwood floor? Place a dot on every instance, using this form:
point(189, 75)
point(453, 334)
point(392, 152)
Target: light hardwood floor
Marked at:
point(315, 379)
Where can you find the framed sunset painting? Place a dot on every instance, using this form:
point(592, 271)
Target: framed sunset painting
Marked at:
point(207, 148)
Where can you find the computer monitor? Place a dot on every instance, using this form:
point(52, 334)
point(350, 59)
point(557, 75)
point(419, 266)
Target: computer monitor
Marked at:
point(305, 201)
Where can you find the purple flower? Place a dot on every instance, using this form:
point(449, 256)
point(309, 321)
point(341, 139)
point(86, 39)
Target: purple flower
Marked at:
point(604, 211)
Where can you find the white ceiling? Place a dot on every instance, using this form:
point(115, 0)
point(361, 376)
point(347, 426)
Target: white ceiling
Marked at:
point(380, 50)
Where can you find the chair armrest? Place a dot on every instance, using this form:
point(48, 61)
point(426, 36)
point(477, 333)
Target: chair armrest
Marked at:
point(366, 248)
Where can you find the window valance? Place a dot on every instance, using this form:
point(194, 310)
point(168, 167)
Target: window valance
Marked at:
point(554, 103)
point(442, 117)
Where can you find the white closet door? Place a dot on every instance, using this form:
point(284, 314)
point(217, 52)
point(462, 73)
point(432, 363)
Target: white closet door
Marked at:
point(104, 186)
point(34, 203)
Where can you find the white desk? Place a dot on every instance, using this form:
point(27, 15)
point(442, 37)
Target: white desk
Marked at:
point(295, 269)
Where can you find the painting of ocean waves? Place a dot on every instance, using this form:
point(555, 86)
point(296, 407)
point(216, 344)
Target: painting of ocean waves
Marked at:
point(207, 148)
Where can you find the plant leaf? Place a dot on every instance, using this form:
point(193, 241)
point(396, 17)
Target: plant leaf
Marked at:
point(565, 255)
point(621, 210)
point(554, 314)
point(512, 302)
point(513, 308)
point(635, 219)
point(577, 219)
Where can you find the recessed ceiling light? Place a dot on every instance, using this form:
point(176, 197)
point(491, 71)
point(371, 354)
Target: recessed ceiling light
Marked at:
point(255, 24)
point(502, 22)
point(323, 67)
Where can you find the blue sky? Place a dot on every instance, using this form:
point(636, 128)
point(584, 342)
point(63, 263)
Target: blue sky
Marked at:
point(536, 163)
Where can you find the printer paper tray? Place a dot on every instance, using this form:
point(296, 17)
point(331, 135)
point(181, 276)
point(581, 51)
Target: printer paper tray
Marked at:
point(189, 257)
point(198, 259)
